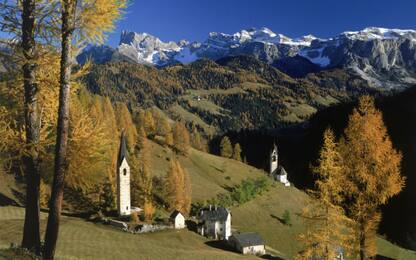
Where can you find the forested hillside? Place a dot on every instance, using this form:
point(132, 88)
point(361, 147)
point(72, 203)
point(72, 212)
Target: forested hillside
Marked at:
point(230, 94)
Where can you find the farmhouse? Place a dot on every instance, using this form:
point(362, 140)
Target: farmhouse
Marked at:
point(248, 243)
point(177, 219)
point(215, 222)
point(277, 171)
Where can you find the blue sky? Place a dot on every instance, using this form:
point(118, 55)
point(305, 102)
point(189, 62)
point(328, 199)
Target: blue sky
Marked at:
point(194, 19)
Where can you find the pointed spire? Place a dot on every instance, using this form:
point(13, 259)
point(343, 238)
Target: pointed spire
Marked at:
point(123, 148)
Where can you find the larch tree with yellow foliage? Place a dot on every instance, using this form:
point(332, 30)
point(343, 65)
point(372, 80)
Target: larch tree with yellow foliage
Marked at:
point(328, 229)
point(178, 188)
point(181, 139)
point(371, 170)
point(80, 22)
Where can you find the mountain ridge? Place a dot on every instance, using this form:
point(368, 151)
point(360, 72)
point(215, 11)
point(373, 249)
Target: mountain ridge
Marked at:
point(385, 58)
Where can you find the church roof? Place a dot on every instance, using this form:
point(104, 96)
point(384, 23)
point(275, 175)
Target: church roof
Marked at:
point(282, 171)
point(123, 149)
point(214, 214)
point(175, 214)
point(248, 239)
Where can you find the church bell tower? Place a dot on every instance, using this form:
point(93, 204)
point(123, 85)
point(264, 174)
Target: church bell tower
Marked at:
point(274, 159)
point(123, 180)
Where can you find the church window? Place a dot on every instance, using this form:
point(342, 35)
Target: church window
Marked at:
point(274, 158)
point(127, 208)
point(124, 171)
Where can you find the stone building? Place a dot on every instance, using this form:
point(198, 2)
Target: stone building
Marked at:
point(215, 222)
point(123, 180)
point(248, 243)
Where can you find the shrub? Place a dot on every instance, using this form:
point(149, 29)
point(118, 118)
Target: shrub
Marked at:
point(286, 218)
point(134, 217)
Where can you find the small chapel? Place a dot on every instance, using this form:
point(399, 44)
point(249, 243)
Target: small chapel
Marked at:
point(123, 180)
point(277, 171)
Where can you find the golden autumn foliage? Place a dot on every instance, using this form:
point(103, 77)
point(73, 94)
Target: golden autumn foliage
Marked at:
point(125, 123)
point(371, 170)
point(181, 138)
point(178, 188)
point(328, 229)
point(354, 178)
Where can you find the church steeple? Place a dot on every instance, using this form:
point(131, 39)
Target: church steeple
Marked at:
point(123, 180)
point(274, 158)
point(122, 152)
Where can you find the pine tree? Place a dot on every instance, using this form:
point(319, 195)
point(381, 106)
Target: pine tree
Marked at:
point(226, 149)
point(327, 227)
point(371, 167)
point(181, 139)
point(237, 152)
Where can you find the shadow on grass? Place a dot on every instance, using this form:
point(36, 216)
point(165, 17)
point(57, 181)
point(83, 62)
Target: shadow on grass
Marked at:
point(281, 220)
point(271, 257)
point(6, 201)
point(381, 257)
point(220, 244)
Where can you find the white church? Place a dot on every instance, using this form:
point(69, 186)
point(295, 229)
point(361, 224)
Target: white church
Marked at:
point(277, 171)
point(123, 180)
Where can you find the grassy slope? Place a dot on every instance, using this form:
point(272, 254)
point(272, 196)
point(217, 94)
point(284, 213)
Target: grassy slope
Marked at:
point(81, 239)
point(208, 175)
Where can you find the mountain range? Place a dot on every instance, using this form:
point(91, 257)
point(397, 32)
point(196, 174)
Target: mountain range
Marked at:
point(385, 58)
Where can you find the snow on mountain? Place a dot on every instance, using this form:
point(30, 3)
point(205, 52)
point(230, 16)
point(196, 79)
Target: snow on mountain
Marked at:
point(378, 55)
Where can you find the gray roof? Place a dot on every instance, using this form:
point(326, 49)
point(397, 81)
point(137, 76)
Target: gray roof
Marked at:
point(214, 214)
point(123, 149)
point(282, 171)
point(175, 214)
point(248, 239)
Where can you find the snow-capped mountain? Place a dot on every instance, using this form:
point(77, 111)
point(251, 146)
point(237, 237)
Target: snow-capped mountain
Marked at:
point(384, 57)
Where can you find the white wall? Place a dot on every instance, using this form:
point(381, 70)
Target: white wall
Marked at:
point(123, 189)
point(179, 221)
point(254, 250)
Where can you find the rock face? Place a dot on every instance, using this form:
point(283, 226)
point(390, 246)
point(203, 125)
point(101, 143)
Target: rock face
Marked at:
point(386, 58)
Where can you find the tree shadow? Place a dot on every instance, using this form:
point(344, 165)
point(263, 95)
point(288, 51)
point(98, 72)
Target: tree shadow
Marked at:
point(191, 225)
point(281, 220)
point(216, 168)
point(6, 201)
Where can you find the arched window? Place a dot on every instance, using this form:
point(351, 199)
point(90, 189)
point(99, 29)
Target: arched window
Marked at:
point(124, 171)
point(274, 158)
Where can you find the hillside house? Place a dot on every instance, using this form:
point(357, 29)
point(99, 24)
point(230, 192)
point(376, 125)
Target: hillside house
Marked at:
point(248, 243)
point(277, 171)
point(178, 220)
point(215, 222)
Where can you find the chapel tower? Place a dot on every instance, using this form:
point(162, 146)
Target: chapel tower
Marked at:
point(274, 159)
point(123, 180)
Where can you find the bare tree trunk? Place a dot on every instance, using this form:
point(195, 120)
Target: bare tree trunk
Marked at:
point(31, 233)
point(52, 230)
